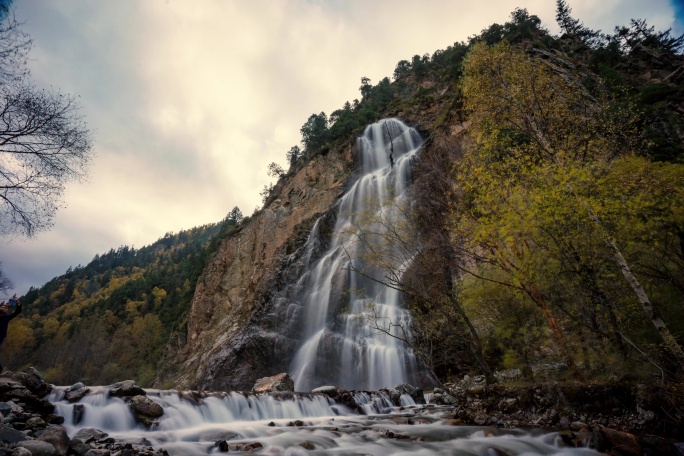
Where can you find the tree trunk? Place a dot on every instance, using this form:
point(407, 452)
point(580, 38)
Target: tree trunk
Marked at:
point(669, 340)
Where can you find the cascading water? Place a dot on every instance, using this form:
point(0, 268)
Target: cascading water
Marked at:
point(341, 345)
point(290, 424)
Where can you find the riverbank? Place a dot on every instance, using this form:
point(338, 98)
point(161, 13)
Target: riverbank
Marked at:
point(619, 418)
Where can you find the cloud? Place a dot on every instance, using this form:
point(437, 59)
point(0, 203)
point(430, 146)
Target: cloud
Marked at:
point(189, 101)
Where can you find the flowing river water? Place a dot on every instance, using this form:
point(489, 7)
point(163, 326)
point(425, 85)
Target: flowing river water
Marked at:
point(298, 424)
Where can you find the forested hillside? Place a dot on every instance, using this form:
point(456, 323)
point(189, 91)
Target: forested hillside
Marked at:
point(112, 318)
point(548, 224)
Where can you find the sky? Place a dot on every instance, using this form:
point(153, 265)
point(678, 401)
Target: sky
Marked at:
point(189, 101)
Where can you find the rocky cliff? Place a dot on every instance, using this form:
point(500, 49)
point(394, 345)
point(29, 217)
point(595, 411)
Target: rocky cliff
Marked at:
point(243, 323)
point(232, 334)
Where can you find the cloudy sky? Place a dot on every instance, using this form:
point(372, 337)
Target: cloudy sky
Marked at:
point(188, 101)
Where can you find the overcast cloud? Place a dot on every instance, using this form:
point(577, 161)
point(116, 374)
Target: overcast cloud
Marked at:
point(188, 101)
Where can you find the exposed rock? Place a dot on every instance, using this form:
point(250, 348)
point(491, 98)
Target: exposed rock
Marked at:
point(78, 447)
point(19, 451)
point(127, 388)
point(98, 452)
point(413, 391)
point(10, 435)
point(57, 437)
point(616, 442)
point(222, 351)
point(38, 447)
point(280, 382)
point(145, 409)
point(331, 391)
point(77, 413)
point(76, 392)
point(88, 435)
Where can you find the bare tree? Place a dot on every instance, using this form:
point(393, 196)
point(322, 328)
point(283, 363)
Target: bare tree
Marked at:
point(44, 142)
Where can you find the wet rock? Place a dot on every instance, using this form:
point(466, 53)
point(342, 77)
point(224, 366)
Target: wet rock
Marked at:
point(329, 390)
point(280, 382)
point(19, 451)
point(579, 426)
point(413, 391)
point(98, 452)
point(51, 418)
point(481, 420)
point(5, 408)
point(615, 442)
point(77, 413)
point(35, 422)
point(76, 392)
point(10, 435)
point(127, 388)
point(57, 437)
point(88, 435)
point(78, 447)
point(38, 447)
point(145, 409)
point(222, 445)
point(252, 447)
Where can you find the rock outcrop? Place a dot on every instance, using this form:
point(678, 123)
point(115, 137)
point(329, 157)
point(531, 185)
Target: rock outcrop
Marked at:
point(234, 330)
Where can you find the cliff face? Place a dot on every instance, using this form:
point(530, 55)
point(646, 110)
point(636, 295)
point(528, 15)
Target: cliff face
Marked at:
point(232, 330)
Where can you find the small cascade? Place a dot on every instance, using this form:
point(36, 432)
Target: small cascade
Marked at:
point(340, 345)
point(186, 410)
point(292, 423)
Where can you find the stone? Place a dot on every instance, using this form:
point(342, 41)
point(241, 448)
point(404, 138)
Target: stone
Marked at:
point(145, 409)
point(88, 435)
point(57, 437)
point(127, 388)
point(36, 423)
point(413, 391)
point(329, 390)
point(77, 413)
point(76, 392)
point(78, 447)
point(98, 452)
point(615, 442)
point(38, 447)
point(579, 425)
point(279, 382)
point(5, 408)
point(10, 435)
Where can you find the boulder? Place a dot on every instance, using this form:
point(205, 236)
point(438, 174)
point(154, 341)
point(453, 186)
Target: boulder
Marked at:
point(19, 451)
point(57, 437)
point(127, 388)
point(78, 447)
point(413, 391)
point(280, 382)
point(38, 447)
point(76, 392)
point(615, 442)
point(10, 435)
point(145, 409)
point(88, 435)
point(331, 391)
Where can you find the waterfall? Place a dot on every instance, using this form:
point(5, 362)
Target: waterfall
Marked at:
point(341, 344)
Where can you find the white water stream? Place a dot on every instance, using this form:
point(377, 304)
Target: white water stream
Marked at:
point(340, 346)
point(298, 424)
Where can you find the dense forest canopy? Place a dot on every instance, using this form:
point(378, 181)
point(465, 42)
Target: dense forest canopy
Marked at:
point(551, 227)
